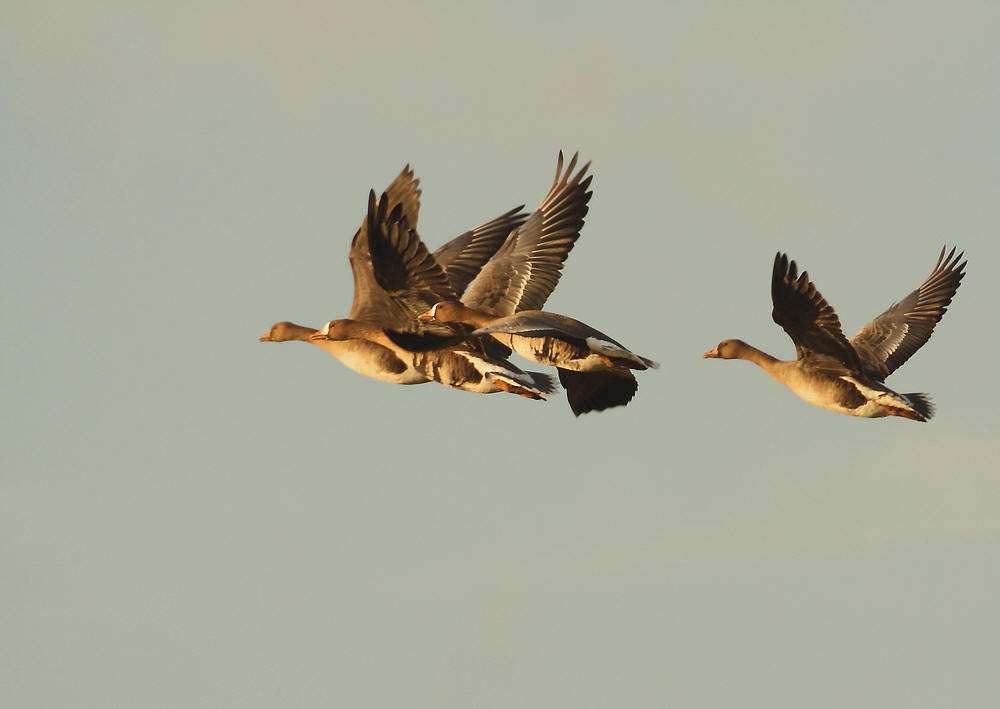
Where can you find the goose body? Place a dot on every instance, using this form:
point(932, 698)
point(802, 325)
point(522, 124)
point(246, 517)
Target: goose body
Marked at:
point(842, 393)
point(594, 369)
point(364, 355)
point(847, 376)
point(562, 342)
point(368, 350)
point(360, 342)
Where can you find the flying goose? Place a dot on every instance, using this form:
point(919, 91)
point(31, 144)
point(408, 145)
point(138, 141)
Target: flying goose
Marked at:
point(504, 302)
point(460, 258)
point(594, 369)
point(410, 278)
point(846, 376)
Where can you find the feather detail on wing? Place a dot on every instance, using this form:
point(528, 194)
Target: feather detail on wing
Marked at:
point(808, 319)
point(893, 337)
point(527, 267)
point(402, 266)
point(370, 303)
point(464, 256)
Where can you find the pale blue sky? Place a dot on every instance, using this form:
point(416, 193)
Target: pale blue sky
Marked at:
point(191, 518)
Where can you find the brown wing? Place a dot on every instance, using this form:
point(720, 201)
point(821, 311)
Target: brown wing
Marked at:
point(808, 319)
point(370, 304)
point(403, 268)
point(893, 337)
point(464, 256)
point(597, 391)
point(526, 269)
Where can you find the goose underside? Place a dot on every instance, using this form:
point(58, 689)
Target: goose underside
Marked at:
point(469, 371)
point(373, 360)
point(849, 396)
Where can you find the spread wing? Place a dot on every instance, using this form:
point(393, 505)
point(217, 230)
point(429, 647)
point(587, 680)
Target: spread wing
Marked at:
point(809, 320)
point(370, 303)
point(464, 256)
point(402, 267)
point(893, 337)
point(526, 268)
point(540, 323)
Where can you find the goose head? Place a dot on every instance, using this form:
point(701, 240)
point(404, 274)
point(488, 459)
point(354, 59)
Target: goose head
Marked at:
point(285, 331)
point(444, 311)
point(728, 349)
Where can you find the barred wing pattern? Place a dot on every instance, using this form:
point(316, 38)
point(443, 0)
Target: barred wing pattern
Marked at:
point(893, 337)
point(370, 303)
point(523, 273)
point(809, 320)
point(402, 267)
point(464, 256)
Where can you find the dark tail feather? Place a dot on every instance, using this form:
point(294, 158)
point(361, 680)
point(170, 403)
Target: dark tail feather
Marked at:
point(543, 382)
point(596, 391)
point(922, 405)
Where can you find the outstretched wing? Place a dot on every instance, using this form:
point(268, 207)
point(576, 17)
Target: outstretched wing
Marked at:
point(525, 270)
point(370, 304)
point(893, 337)
point(597, 391)
point(808, 319)
point(411, 279)
point(464, 256)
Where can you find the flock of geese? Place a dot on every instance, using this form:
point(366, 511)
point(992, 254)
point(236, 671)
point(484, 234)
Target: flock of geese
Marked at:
point(455, 315)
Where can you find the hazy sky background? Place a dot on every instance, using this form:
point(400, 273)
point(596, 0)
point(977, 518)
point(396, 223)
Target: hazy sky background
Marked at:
point(193, 519)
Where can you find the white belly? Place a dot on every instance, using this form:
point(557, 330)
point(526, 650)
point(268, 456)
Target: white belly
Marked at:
point(825, 396)
point(361, 363)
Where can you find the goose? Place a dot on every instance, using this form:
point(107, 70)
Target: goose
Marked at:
point(847, 376)
point(411, 277)
point(363, 355)
point(523, 272)
point(504, 302)
point(594, 369)
point(526, 268)
point(461, 259)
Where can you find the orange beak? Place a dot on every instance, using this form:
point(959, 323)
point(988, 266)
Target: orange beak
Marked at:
point(425, 316)
point(711, 354)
